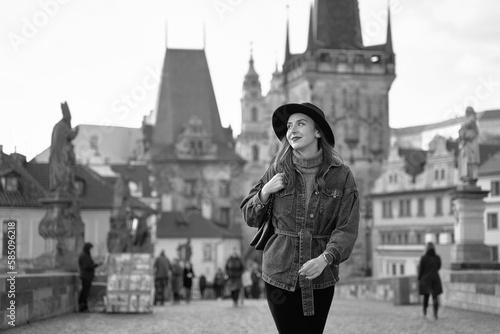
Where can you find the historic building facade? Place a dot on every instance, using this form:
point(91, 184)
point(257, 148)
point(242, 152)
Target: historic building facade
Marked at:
point(350, 82)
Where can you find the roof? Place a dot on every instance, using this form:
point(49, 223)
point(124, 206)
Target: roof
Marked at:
point(98, 193)
point(175, 224)
point(186, 91)
point(29, 190)
point(481, 117)
point(337, 25)
point(115, 144)
point(491, 166)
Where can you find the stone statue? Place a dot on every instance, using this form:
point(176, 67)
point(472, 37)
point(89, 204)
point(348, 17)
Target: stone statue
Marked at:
point(468, 143)
point(118, 236)
point(62, 156)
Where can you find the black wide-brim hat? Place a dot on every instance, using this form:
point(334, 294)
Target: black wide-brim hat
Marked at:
point(281, 115)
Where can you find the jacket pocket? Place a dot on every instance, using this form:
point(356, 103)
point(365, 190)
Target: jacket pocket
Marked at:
point(283, 202)
point(330, 202)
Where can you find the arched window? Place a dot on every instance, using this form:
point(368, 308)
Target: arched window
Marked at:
point(255, 153)
point(254, 114)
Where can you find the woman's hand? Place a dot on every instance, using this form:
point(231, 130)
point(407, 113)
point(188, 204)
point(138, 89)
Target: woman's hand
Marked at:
point(274, 185)
point(313, 268)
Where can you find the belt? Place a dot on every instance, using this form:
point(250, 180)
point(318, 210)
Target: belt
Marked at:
point(305, 242)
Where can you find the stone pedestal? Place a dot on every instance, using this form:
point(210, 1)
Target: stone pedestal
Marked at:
point(469, 244)
point(63, 231)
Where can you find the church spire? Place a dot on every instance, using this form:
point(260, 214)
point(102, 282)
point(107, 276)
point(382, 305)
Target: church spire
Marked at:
point(388, 43)
point(287, 46)
point(251, 82)
point(311, 37)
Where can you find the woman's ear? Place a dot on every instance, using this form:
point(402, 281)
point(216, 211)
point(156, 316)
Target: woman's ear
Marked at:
point(317, 134)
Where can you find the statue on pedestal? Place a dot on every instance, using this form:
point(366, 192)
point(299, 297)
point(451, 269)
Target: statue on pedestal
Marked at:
point(62, 227)
point(62, 159)
point(468, 143)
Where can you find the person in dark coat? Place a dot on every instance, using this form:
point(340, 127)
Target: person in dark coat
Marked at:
point(428, 278)
point(162, 272)
point(176, 280)
point(219, 282)
point(87, 269)
point(203, 285)
point(187, 280)
point(234, 271)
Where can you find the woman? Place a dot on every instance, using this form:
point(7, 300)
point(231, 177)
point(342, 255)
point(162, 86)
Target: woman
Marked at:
point(187, 280)
point(176, 280)
point(428, 278)
point(315, 215)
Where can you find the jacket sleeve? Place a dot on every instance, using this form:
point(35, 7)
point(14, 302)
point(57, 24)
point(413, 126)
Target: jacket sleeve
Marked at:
point(344, 235)
point(252, 207)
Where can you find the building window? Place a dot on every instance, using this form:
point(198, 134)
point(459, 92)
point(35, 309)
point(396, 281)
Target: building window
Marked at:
point(394, 269)
point(495, 188)
point(421, 207)
point(494, 253)
point(439, 206)
point(255, 153)
point(442, 174)
point(11, 183)
point(492, 221)
point(405, 207)
point(419, 238)
point(224, 216)
point(386, 209)
point(190, 187)
point(224, 188)
point(436, 174)
point(8, 225)
point(405, 236)
point(254, 115)
point(401, 269)
point(207, 252)
point(452, 206)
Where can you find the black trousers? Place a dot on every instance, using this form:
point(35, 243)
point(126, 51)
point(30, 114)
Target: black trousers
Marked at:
point(160, 284)
point(286, 308)
point(84, 294)
point(435, 303)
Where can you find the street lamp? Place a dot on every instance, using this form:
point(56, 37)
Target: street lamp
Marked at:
point(368, 220)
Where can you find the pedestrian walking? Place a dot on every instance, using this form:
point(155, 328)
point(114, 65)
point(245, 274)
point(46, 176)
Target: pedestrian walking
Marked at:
point(428, 278)
point(255, 276)
point(177, 273)
point(315, 214)
point(219, 282)
point(234, 271)
point(162, 270)
point(87, 271)
point(187, 280)
point(202, 283)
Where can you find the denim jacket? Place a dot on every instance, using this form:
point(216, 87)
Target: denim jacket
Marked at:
point(329, 226)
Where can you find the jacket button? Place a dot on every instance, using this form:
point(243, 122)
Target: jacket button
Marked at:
point(311, 215)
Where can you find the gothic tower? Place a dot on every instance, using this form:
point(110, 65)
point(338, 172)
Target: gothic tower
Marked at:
point(193, 157)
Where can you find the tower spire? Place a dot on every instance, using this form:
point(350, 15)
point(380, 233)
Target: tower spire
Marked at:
point(287, 46)
point(388, 43)
point(312, 36)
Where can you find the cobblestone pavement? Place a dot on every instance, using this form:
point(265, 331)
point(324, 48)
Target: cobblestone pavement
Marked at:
point(346, 316)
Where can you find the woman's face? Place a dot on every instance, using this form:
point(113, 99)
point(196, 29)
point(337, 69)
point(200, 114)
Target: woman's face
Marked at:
point(302, 134)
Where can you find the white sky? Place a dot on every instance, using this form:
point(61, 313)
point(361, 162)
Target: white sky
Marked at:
point(100, 55)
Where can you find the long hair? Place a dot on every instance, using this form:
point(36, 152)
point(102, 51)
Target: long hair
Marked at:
point(283, 162)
